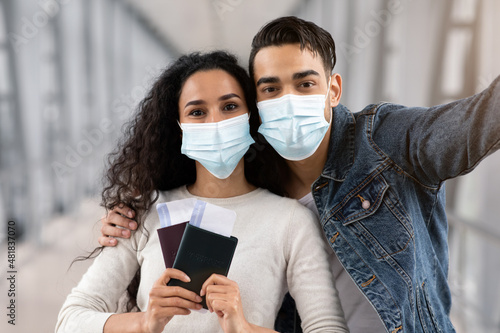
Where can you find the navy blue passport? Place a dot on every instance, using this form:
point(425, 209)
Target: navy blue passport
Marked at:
point(201, 254)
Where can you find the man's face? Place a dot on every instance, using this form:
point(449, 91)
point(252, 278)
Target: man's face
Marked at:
point(286, 69)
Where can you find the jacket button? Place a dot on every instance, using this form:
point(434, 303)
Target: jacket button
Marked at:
point(366, 204)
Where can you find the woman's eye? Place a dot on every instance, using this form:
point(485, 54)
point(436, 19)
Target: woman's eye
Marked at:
point(196, 113)
point(230, 107)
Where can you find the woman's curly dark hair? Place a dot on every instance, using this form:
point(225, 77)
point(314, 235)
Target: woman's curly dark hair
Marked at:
point(149, 158)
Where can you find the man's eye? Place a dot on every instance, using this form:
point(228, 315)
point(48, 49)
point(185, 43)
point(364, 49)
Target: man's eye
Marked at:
point(230, 107)
point(306, 84)
point(269, 89)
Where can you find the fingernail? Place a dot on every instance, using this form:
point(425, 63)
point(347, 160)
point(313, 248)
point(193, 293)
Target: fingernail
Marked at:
point(198, 298)
point(129, 213)
point(188, 278)
point(124, 232)
point(132, 225)
point(202, 292)
point(198, 306)
point(112, 241)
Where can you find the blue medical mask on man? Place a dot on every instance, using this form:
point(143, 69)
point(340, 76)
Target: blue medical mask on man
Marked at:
point(294, 125)
point(217, 146)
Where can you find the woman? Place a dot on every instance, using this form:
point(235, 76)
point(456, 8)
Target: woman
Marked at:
point(201, 105)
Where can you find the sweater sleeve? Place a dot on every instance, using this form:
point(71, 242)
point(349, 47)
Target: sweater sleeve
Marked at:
point(309, 277)
point(95, 299)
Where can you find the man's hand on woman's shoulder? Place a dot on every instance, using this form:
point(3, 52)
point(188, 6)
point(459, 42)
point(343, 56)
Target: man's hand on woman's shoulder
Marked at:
point(119, 222)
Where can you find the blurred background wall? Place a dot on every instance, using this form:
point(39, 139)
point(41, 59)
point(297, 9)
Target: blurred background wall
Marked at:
point(72, 72)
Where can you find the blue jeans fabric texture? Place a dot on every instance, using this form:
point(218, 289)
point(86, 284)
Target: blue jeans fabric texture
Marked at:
point(381, 200)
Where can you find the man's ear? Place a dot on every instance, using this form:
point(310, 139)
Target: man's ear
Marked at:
point(335, 89)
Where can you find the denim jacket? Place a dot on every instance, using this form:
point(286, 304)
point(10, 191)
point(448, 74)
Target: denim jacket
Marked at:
point(381, 200)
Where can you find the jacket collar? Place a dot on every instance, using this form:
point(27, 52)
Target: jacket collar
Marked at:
point(341, 150)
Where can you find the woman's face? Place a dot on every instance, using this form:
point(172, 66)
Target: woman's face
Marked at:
point(211, 96)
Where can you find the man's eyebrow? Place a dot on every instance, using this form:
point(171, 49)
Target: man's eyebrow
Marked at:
point(268, 79)
point(301, 75)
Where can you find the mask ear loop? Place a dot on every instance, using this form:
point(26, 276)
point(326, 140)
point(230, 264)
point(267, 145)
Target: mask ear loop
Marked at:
point(180, 126)
point(328, 88)
point(326, 98)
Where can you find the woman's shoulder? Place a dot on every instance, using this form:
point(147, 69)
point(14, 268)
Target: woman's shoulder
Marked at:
point(151, 219)
point(289, 202)
point(173, 194)
point(256, 202)
point(285, 206)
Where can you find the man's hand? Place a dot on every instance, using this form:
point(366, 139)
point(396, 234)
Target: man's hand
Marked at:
point(117, 223)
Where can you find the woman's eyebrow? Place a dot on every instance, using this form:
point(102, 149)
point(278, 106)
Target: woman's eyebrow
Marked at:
point(195, 102)
point(228, 96)
point(201, 101)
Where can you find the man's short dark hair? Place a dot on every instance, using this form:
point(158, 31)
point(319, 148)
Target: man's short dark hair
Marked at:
point(293, 30)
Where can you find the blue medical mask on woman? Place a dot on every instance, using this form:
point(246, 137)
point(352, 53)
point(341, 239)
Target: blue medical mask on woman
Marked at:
point(294, 125)
point(217, 146)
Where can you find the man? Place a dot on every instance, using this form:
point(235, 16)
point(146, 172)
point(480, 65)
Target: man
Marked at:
point(375, 178)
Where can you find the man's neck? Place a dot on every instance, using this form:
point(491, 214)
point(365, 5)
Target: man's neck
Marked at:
point(303, 173)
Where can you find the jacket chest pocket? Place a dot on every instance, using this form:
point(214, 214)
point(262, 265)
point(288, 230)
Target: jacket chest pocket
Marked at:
point(375, 215)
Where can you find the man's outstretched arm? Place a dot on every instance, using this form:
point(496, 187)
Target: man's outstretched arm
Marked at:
point(437, 143)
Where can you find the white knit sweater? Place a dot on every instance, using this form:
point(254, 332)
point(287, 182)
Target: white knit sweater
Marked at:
point(280, 248)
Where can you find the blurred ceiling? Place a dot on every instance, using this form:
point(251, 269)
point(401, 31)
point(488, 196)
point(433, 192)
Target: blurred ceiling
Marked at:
point(192, 25)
